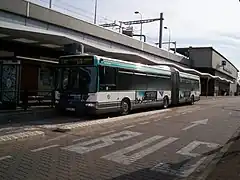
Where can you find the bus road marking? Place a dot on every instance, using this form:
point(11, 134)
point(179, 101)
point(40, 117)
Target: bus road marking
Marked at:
point(188, 168)
point(5, 157)
point(187, 150)
point(101, 142)
point(128, 127)
point(121, 156)
point(142, 123)
point(108, 132)
point(196, 123)
point(44, 148)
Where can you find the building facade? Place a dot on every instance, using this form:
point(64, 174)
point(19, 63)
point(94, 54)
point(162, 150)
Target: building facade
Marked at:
point(208, 60)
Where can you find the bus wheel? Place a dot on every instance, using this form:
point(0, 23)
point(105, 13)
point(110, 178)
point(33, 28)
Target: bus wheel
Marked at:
point(192, 100)
point(165, 102)
point(125, 106)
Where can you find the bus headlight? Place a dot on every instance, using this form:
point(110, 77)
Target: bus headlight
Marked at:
point(90, 104)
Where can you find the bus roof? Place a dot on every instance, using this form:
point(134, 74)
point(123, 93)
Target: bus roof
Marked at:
point(161, 69)
point(189, 76)
point(75, 55)
point(134, 66)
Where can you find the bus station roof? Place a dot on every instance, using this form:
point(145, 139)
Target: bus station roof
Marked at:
point(55, 39)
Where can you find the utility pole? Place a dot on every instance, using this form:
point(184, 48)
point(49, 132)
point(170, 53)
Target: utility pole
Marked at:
point(50, 4)
point(160, 30)
point(95, 12)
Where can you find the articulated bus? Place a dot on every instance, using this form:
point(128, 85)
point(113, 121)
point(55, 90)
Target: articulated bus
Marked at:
point(95, 84)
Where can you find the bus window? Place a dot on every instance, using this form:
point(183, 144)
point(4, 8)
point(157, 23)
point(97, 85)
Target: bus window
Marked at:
point(107, 78)
point(125, 80)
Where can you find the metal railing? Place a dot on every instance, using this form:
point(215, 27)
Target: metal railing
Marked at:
point(26, 98)
point(71, 10)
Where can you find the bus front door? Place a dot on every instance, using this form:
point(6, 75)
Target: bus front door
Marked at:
point(175, 87)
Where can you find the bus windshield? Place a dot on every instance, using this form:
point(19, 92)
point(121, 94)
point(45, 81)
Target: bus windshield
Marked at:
point(79, 79)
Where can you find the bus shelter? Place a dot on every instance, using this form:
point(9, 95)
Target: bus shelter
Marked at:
point(22, 77)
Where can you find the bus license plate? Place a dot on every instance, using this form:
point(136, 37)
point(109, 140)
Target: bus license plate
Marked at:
point(70, 109)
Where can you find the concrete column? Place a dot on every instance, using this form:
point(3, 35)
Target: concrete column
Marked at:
point(74, 48)
point(233, 88)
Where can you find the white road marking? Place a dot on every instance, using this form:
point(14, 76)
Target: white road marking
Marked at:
point(168, 117)
point(189, 127)
point(184, 171)
point(128, 127)
point(94, 144)
point(121, 157)
point(43, 148)
point(5, 157)
point(196, 123)
point(108, 132)
point(187, 168)
point(57, 138)
point(79, 139)
point(184, 113)
point(142, 123)
point(193, 145)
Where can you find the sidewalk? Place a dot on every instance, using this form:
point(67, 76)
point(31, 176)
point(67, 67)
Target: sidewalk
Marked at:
point(228, 168)
point(216, 97)
point(20, 116)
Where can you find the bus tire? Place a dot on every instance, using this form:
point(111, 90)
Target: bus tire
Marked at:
point(192, 100)
point(165, 102)
point(125, 106)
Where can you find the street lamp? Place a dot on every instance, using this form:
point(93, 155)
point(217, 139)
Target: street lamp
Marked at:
point(95, 12)
point(137, 12)
point(169, 37)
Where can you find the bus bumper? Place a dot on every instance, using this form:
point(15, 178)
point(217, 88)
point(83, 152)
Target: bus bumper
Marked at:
point(80, 108)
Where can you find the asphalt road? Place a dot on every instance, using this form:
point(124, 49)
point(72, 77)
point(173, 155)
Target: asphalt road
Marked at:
point(170, 145)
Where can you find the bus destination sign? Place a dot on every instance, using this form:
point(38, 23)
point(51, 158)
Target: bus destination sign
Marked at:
point(78, 61)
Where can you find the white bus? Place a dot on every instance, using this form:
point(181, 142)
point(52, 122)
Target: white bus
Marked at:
point(94, 84)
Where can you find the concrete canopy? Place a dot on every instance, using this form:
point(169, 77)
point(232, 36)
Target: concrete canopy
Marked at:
point(54, 39)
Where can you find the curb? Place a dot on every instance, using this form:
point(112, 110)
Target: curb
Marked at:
point(26, 116)
point(20, 136)
point(73, 126)
point(204, 171)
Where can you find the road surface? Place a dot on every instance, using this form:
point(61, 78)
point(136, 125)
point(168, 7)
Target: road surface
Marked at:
point(176, 144)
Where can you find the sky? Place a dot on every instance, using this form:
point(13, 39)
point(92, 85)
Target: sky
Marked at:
point(191, 22)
